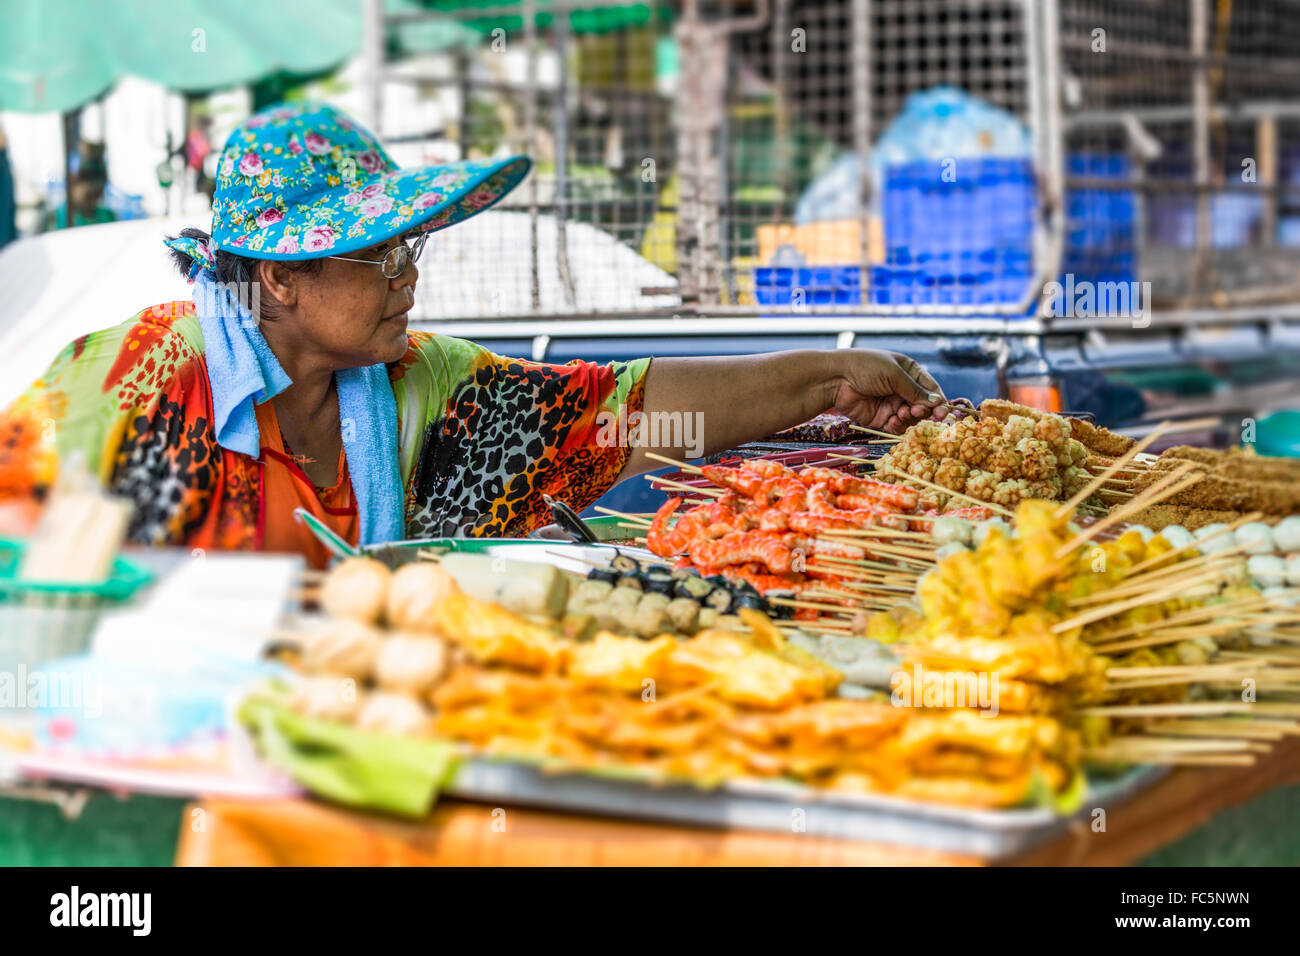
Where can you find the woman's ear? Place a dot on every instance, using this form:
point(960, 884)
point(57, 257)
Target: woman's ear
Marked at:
point(279, 282)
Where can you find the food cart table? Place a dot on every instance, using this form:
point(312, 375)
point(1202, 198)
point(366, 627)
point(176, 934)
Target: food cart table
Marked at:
point(1237, 816)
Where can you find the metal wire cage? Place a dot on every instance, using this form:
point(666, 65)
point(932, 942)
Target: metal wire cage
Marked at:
point(729, 156)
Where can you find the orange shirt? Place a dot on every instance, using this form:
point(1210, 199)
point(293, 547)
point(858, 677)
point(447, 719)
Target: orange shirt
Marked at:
point(285, 486)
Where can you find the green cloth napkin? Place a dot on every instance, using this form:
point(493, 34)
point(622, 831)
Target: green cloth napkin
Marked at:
point(381, 771)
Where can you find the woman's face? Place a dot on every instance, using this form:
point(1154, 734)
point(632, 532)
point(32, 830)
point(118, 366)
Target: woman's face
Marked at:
point(349, 314)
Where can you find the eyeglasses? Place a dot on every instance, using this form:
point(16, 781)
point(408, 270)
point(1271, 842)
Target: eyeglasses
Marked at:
point(395, 260)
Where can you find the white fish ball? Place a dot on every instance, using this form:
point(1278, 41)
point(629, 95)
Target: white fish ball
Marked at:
point(394, 714)
point(1267, 570)
point(1286, 535)
point(356, 588)
point(985, 528)
point(1215, 544)
point(1257, 538)
point(415, 590)
point(1177, 536)
point(411, 663)
point(326, 697)
point(1282, 597)
point(341, 646)
point(1293, 570)
point(947, 530)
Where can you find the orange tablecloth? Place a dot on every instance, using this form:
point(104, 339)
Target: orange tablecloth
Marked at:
point(308, 833)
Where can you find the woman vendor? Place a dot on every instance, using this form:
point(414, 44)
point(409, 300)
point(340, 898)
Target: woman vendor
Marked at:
point(291, 380)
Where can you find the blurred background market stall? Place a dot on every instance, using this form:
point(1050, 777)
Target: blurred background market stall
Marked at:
point(723, 177)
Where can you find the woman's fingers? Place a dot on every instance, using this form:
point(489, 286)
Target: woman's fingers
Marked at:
point(918, 373)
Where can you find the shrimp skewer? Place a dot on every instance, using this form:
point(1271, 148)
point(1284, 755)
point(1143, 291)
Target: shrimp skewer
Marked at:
point(658, 538)
point(765, 581)
point(896, 496)
point(744, 547)
point(810, 545)
point(744, 483)
point(806, 522)
point(767, 469)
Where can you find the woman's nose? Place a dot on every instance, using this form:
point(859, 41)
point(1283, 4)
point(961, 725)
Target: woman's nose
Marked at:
point(408, 276)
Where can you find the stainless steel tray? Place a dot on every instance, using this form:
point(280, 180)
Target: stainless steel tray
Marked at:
point(760, 805)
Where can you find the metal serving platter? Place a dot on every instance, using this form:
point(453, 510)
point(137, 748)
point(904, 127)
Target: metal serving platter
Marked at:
point(787, 808)
point(745, 805)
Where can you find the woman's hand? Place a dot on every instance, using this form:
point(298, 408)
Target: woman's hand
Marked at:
point(742, 398)
point(886, 391)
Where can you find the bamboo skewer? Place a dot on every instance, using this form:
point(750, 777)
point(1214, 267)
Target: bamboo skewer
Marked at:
point(682, 486)
point(917, 554)
point(948, 491)
point(683, 466)
point(844, 576)
point(1195, 614)
point(1228, 556)
point(876, 586)
point(1145, 742)
point(1109, 610)
point(1165, 488)
point(814, 605)
point(1191, 709)
point(1191, 425)
point(873, 431)
point(860, 562)
point(881, 533)
point(1162, 580)
point(1106, 755)
point(639, 519)
point(1168, 636)
point(1082, 495)
point(1163, 670)
point(1246, 729)
point(1262, 679)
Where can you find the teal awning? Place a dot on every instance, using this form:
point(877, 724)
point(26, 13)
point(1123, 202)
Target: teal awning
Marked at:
point(601, 17)
point(56, 55)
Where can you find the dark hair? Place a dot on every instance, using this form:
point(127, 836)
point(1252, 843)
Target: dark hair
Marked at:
point(235, 269)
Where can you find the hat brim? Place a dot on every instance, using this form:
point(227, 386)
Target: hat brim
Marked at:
point(417, 199)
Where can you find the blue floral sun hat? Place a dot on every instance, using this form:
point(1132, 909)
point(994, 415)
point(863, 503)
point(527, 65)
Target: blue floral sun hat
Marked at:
point(304, 180)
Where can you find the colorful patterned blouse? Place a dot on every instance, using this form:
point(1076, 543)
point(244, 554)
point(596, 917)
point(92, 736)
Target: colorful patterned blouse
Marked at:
point(481, 437)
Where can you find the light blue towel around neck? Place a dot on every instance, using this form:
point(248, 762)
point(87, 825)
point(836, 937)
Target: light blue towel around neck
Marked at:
point(244, 372)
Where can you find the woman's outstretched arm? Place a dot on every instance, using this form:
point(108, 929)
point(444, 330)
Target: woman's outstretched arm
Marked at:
point(698, 406)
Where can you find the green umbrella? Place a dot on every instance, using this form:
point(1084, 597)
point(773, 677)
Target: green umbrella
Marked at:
point(56, 55)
